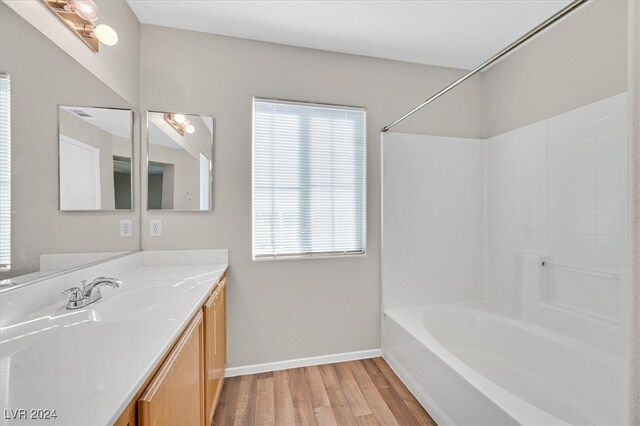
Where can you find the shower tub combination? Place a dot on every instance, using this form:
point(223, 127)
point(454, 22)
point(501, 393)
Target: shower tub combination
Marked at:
point(504, 271)
point(473, 364)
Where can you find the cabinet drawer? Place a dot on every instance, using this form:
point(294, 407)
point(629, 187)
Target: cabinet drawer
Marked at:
point(176, 394)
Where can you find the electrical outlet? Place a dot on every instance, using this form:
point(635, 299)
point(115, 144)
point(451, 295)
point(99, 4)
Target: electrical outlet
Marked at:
point(126, 228)
point(155, 228)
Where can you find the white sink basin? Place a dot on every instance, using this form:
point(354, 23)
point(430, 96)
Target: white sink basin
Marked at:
point(117, 305)
point(147, 301)
point(18, 336)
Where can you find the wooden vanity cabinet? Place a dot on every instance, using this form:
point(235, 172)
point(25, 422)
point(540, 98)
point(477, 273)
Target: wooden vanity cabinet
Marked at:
point(215, 354)
point(175, 396)
point(184, 389)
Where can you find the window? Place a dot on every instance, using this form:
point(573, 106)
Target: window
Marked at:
point(5, 172)
point(308, 179)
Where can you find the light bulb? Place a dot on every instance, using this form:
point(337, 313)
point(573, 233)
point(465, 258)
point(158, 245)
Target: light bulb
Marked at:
point(179, 118)
point(189, 128)
point(106, 35)
point(86, 9)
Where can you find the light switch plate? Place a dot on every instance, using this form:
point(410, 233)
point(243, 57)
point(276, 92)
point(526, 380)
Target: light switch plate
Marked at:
point(126, 228)
point(155, 228)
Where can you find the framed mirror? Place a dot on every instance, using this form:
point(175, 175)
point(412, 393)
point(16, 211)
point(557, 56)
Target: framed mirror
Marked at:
point(179, 161)
point(95, 158)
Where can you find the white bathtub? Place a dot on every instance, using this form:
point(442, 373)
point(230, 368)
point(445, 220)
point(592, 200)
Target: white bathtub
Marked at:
point(473, 364)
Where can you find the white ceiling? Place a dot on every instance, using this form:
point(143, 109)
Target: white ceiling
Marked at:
point(454, 33)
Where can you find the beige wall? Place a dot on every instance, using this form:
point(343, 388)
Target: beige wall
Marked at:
point(121, 146)
point(43, 77)
point(288, 309)
point(185, 176)
point(578, 61)
point(117, 66)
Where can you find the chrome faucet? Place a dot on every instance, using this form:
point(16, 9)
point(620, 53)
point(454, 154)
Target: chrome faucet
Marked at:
point(89, 293)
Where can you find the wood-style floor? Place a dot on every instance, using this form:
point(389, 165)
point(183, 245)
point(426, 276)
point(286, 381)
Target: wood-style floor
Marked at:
point(365, 392)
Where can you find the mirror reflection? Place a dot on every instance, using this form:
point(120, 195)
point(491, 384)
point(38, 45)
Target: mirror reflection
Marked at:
point(179, 164)
point(37, 239)
point(95, 152)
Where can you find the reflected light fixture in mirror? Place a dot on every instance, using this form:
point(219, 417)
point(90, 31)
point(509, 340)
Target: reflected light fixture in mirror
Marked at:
point(179, 123)
point(79, 16)
point(106, 35)
point(86, 9)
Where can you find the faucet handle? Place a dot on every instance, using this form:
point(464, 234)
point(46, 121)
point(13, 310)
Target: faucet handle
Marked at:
point(84, 283)
point(76, 294)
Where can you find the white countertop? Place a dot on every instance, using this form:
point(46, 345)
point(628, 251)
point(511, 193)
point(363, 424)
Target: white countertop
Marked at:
point(87, 364)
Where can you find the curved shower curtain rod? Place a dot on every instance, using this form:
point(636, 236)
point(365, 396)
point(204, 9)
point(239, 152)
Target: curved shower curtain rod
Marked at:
point(523, 39)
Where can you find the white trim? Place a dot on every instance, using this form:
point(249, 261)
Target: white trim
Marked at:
point(310, 104)
point(302, 362)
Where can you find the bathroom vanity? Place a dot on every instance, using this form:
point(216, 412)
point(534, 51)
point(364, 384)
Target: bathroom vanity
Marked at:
point(152, 350)
point(186, 386)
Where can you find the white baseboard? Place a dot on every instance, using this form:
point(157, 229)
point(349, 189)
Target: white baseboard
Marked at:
point(301, 362)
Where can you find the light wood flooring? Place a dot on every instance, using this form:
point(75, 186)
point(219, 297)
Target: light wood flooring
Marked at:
point(364, 392)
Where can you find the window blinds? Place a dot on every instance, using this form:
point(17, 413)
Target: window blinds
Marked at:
point(5, 172)
point(308, 179)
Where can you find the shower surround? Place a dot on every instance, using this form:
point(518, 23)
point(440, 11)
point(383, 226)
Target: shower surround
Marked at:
point(505, 270)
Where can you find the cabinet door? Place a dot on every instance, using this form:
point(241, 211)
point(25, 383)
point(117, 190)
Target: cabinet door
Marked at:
point(128, 416)
point(221, 337)
point(175, 396)
point(215, 347)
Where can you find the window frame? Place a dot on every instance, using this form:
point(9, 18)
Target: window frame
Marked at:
point(320, 255)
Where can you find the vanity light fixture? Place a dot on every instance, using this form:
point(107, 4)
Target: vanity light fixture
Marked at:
point(86, 9)
point(79, 16)
point(107, 35)
point(179, 122)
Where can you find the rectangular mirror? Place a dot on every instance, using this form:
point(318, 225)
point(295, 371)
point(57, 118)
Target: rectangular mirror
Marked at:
point(179, 161)
point(95, 157)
